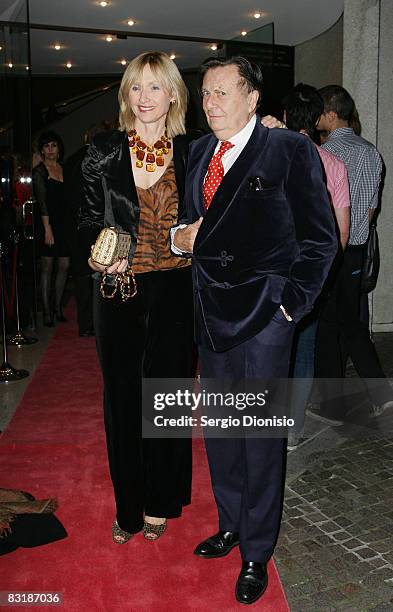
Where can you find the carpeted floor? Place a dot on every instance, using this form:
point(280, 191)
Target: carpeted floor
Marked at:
point(55, 447)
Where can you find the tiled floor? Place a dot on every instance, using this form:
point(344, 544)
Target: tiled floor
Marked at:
point(24, 357)
point(335, 550)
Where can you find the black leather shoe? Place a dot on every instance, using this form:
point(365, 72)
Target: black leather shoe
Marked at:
point(252, 582)
point(218, 545)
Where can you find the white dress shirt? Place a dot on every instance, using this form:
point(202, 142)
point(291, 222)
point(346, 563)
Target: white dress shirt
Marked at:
point(239, 141)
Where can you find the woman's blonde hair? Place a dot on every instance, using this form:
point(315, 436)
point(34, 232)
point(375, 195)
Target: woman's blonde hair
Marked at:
point(170, 79)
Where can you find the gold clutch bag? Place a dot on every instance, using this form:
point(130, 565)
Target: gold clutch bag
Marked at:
point(110, 246)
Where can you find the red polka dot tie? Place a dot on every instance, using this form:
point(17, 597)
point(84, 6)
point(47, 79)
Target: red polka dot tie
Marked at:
point(215, 173)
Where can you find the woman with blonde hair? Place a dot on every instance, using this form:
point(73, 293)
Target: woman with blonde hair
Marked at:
point(134, 180)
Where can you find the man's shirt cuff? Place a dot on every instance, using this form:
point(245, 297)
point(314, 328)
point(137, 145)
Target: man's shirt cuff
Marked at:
point(173, 231)
point(285, 313)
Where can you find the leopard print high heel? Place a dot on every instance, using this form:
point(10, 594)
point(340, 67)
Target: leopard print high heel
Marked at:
point(153, 532)
point(119, 536)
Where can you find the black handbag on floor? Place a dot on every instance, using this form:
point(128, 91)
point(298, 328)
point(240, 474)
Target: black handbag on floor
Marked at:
point(371, 262)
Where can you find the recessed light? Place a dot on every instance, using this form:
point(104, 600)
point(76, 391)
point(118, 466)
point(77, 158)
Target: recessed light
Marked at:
point(244, 33)
point(103, 3)
point(69, 65)
point(57, 47)
point(172, 56)
point(10, 65)
point(257, 14)
point(131, 22)
point(213, 47)
point(123, 62)
point(109, 39)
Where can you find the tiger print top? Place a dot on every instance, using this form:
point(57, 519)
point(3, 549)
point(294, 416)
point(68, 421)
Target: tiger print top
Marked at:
point(158, 213)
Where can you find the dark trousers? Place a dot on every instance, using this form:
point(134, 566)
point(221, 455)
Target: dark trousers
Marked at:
point(302, 368)
point(84, 301)
point(341, 334)
point(82, 274)
point(148, 336)
point(248, 474)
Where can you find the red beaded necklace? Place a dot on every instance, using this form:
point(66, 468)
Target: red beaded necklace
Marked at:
point(154, 153)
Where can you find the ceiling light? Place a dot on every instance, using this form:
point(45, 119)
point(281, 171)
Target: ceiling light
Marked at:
point(213, 47)
point(109, 39)
point(103, 3)
point(123, 62)
point(10, 65)
point(244, 33)
point(69, 65)
point(131, 22)
point(172, 56)
point(257, 15)
point(57, 47)
point(27, 67)
point(1, 48)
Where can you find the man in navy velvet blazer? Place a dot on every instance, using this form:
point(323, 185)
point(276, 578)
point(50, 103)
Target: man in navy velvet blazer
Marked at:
point(261, 253)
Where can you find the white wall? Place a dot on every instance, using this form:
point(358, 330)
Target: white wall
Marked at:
point(319, 61)
point(368, 52)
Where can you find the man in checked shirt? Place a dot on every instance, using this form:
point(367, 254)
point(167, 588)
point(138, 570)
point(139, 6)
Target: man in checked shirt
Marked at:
point(341, 333)
point(303, 107)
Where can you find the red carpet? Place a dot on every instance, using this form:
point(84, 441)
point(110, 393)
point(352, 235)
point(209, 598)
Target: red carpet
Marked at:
point(55, 446)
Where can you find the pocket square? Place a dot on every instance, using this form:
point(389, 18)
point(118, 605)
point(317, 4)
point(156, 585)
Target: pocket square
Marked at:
point(258, 183)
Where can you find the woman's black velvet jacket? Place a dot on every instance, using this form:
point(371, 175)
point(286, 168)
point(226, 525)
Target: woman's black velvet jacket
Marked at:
point(109, 188)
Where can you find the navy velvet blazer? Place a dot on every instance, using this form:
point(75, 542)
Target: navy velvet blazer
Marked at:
point(267, 239)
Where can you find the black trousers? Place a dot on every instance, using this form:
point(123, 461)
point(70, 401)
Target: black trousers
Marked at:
point(82, 274)
point(248, 474)
point(84, 301)
point(341, 334)
point(150, 335)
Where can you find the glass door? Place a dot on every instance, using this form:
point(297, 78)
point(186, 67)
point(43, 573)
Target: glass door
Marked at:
point(16, 202)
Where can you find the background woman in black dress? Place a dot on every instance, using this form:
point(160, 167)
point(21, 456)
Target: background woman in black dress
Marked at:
point(49, 192)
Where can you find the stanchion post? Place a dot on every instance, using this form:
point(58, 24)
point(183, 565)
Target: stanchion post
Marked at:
point(7, 372)
point(18, 339)
point(29, 233)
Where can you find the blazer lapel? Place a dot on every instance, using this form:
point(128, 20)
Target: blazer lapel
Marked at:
point(125, 170)
point(200, 176)
point(234, 180)
point(118, 170)
point(119, 184)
